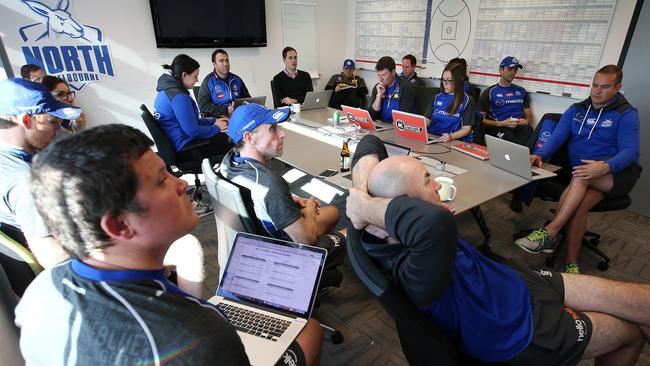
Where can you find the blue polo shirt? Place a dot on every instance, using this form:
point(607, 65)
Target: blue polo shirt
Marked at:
point(444, 122)
point(390, 101)
point(501, 103)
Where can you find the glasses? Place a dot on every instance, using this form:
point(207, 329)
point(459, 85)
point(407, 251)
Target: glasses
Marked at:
point(448, 81)
point(64, 95)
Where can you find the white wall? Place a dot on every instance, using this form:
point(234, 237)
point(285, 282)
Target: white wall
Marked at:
point(128, 28)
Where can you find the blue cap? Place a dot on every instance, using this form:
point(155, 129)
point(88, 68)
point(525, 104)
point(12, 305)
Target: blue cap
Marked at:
point(18, 96)
point(510, 62)
point(348, 64)
point(248, 116)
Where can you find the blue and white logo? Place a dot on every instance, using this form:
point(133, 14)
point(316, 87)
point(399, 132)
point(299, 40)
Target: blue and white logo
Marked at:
point(606, 123)
point(500, 102)
point(65, 47)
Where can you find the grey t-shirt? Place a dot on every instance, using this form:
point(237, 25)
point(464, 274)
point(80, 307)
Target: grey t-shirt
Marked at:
point(18, 208)
point(74, 314)
point(271, 196)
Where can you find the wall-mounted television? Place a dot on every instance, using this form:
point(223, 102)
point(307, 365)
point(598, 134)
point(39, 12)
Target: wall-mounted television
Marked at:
point(209, 23)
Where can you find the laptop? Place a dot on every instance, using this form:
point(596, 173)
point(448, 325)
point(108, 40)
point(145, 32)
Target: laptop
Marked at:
point(267, 292)
point(413, 127)
point(315, 100)
point(513, 158)
point(241, 101)
point(362, 118)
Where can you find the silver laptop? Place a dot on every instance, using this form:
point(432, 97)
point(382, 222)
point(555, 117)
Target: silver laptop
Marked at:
point(241, 101)
point(315, 100)
point(267, 293)
point(513, 158)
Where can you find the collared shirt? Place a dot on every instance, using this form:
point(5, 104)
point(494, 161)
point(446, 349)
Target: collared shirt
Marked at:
point(390, 101)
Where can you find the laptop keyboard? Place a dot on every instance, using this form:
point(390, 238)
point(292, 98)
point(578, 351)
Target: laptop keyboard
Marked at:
point(254, 323)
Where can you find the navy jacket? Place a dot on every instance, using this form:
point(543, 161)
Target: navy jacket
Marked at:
point(216, 93)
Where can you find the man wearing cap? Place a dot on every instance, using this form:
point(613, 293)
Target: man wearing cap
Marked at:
point(408, 71)
point(30, 118)
point(258, 138)
point(390, 93)
point(220, 88)
point(290, 85)
point(506, 106)
point(349, 89)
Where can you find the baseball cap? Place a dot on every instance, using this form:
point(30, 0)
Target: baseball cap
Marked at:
point(511, 62)
point(248, 116)
point(348, 64)
point(19, 96)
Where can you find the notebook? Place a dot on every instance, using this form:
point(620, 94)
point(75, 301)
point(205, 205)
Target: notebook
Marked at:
point(412, 126)
point(513, 158)
point(267, 292)
point(315, 100)
point(362, 118)
point(241, 101)
point(478, 151)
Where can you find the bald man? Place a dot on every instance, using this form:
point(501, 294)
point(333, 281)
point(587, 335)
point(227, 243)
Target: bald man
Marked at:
point(495, 312)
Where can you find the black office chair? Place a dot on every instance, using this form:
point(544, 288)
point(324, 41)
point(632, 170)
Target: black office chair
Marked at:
point(19, 264)
point(423, 97)
point(276, 96)
point(168, 153)
point(551, 190)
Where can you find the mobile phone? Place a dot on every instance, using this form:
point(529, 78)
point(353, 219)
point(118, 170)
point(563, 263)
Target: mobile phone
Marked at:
point(327, 173)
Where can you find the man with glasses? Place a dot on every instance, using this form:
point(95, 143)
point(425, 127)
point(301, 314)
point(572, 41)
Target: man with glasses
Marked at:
point(390, 93)
point(220, 88)
point(506, 107)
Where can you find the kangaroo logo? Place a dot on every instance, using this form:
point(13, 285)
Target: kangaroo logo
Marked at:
point(63, 46)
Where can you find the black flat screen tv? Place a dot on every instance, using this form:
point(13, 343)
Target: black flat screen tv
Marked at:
point(209, 23)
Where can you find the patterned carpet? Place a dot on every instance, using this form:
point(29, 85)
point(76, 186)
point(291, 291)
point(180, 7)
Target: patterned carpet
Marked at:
point(370, 337)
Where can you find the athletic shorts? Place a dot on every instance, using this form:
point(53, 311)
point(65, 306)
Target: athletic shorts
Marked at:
point(560, 334)
point(293, 356)
point(624, 180)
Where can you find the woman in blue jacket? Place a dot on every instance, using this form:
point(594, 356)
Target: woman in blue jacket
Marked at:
point(452, 110)
point(178, 115)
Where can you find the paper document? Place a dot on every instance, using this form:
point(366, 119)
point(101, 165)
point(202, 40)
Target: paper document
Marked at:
point(321, 190)
point(293, 175)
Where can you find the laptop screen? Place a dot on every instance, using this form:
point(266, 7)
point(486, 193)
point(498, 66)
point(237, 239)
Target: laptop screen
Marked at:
point(273, 273)
point(396, 150)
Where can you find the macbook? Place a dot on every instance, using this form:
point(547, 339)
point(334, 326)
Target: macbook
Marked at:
point(362, 118)
point(412, 126)
point(267, 293)
point(241, 101)
point(315, 100)
point(513, 158)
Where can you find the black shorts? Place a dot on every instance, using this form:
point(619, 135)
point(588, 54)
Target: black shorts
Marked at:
point(293, 356)
point(560, 334)
point(624, 180)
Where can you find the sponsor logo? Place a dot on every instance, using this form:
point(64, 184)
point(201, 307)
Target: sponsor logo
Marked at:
point(606, 123)
point(581, 326)
point(545, 135)
point(352, 118)
point(517, 93)
point(439, 102)
point(499, 95)
point(500, 135)
point(277, 115)
point(246, 126)
point(221, 95)
point(234, 88)
point(514, 60)
point(545, 273)
point(406, 127)
point(65, 47)
point(500, 102)
point(515, 101)
point(217, 88)
point(396, 96)
point(590, 121)
point(509, 94)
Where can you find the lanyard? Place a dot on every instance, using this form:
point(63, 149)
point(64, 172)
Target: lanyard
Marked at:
point(390, 98)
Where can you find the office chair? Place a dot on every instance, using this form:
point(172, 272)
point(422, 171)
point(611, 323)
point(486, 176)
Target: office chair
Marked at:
point(551, 190)
point(195, 91)
point(423, 97)
point(168, 153)
point(19, 263)
point(234, 212)
point(276, 96)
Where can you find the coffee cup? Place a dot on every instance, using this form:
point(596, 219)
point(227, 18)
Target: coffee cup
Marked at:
point(447, 190)
point(295, 109)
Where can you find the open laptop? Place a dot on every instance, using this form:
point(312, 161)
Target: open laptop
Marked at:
point(513, 158)
point(362, 118)
point(267, 292)
point(241, 101)
point(413, 127)
point(316, 99)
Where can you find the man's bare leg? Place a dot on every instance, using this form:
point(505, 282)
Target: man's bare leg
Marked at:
point(577, 225)
point(614, 341)
point(327, 219)
point(186, 254)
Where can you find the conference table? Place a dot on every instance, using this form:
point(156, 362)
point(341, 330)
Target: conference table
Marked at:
point(311, 149)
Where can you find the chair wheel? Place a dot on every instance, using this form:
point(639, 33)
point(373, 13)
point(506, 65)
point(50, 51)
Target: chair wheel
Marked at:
point(603, 266)
point(549, 261)
point(336, 337)
point(594, 241)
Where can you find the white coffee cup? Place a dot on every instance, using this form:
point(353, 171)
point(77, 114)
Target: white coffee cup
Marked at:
point(295, 108)
point(447, 190)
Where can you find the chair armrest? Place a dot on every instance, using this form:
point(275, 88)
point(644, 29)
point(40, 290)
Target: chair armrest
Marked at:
point(194, 144)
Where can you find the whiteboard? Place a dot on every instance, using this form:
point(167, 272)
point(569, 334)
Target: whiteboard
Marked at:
point(299, 32)
point(559, 42)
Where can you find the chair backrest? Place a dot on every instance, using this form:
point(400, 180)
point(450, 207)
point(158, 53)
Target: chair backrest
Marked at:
point(423, 97)
point(474, 92)
point(19, 263)
point(276, 96)
point(195, 91)
point(233, 211)
point(422, 343)
point(166, 149)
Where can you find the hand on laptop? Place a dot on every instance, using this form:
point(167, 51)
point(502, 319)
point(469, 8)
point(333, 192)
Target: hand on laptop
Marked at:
point(445, 137)
point(536, 160)
point(510, 122)
point(288, 101)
